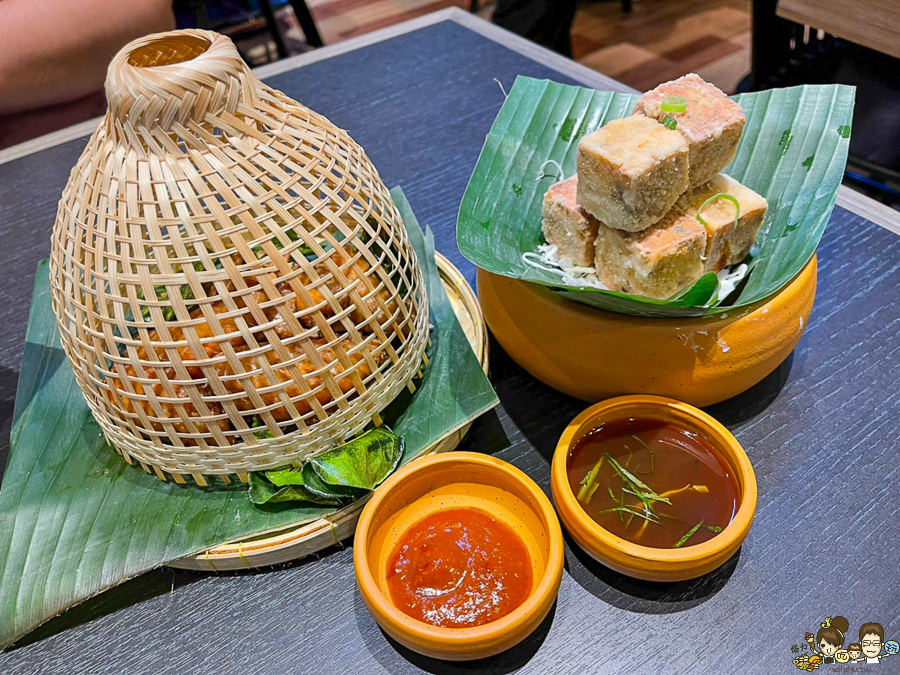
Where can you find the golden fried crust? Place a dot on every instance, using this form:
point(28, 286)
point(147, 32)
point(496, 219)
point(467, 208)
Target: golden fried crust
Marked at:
point(657, 262)
point(212, 347)
point(568, 226)
point(359, 270)
point(286, 374)
point(711, 123)
point(728, 244)
point(175, 412)
point(630, 172)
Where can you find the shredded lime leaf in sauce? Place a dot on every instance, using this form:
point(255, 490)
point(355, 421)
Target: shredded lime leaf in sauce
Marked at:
point(690, 533)
point(589, 478)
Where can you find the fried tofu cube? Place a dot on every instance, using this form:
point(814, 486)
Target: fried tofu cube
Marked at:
point(568, 226)
point(657, 262)
point(630, 172)
point(727, 243)
point(711, 123)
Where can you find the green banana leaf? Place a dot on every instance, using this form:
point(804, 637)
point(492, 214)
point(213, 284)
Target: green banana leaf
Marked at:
point(793, 152)
point(75, 519)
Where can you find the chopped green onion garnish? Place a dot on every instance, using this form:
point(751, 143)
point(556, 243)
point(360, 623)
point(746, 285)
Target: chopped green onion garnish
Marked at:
point(675, 104)
point(721, 195)
point(690, 533)
point(669, 122)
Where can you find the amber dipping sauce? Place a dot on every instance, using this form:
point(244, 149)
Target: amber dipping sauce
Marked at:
point(459, 568)
point(616, 470)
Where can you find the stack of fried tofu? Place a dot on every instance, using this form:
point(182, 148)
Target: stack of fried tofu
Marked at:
point(631, 211)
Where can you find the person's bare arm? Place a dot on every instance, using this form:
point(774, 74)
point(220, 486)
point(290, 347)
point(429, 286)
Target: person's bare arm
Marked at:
point(52, 51)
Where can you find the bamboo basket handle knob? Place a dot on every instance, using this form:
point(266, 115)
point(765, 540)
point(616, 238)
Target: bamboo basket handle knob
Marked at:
point(166, 81)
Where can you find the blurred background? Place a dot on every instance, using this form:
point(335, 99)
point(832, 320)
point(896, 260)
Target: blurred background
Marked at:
point(739, 45)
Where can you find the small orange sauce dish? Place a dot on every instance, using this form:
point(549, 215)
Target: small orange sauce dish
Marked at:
point(441, 484)
point(685, 559)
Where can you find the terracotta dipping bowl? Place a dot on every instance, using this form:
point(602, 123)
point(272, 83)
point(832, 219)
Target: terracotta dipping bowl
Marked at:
point(644, 562)
point(592, 354)
point(438, 482)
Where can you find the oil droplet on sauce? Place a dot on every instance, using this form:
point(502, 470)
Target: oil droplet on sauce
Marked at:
point(459, 568)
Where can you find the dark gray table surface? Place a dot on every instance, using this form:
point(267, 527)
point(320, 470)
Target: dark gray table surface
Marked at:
point(822, 433)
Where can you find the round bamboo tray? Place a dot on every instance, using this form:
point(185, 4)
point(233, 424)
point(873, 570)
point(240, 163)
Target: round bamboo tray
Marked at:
point(302, 539)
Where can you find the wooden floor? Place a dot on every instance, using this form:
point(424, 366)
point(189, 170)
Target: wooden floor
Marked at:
point(657, 41)
point(664, 39)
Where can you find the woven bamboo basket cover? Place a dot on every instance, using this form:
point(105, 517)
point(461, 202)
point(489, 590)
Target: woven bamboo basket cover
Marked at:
point(234, 287)
point(308, 537)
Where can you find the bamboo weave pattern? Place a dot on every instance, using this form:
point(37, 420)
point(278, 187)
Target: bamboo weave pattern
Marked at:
point(233, 284)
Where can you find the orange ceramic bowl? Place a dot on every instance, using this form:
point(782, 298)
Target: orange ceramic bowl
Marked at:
point(458, 479)
point(644, 562)
point(593, 355)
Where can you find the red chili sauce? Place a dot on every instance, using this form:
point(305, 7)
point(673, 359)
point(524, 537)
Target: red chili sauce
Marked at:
point(653, 483)
point(459, 568)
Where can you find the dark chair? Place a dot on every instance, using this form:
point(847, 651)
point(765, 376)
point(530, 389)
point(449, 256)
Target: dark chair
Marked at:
point(476, 5)
point(243, 20)
point(784, 53)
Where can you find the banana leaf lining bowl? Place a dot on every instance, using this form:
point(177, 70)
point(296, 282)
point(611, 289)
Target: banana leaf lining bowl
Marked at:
point(592, 343)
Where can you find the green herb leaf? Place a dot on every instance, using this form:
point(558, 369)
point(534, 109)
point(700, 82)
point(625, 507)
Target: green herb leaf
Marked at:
point(363, 463)
point(648, 496)
point(524, 137)
point(625, 509)
point(282, 477)
point(636, 482)
point(702, 293)
point(263, 492)
point(628, 476)
point(650, 450)
point(589, 478)
point(639, 495)
point(669, 122)
point(316, 485)
point(690, 533)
